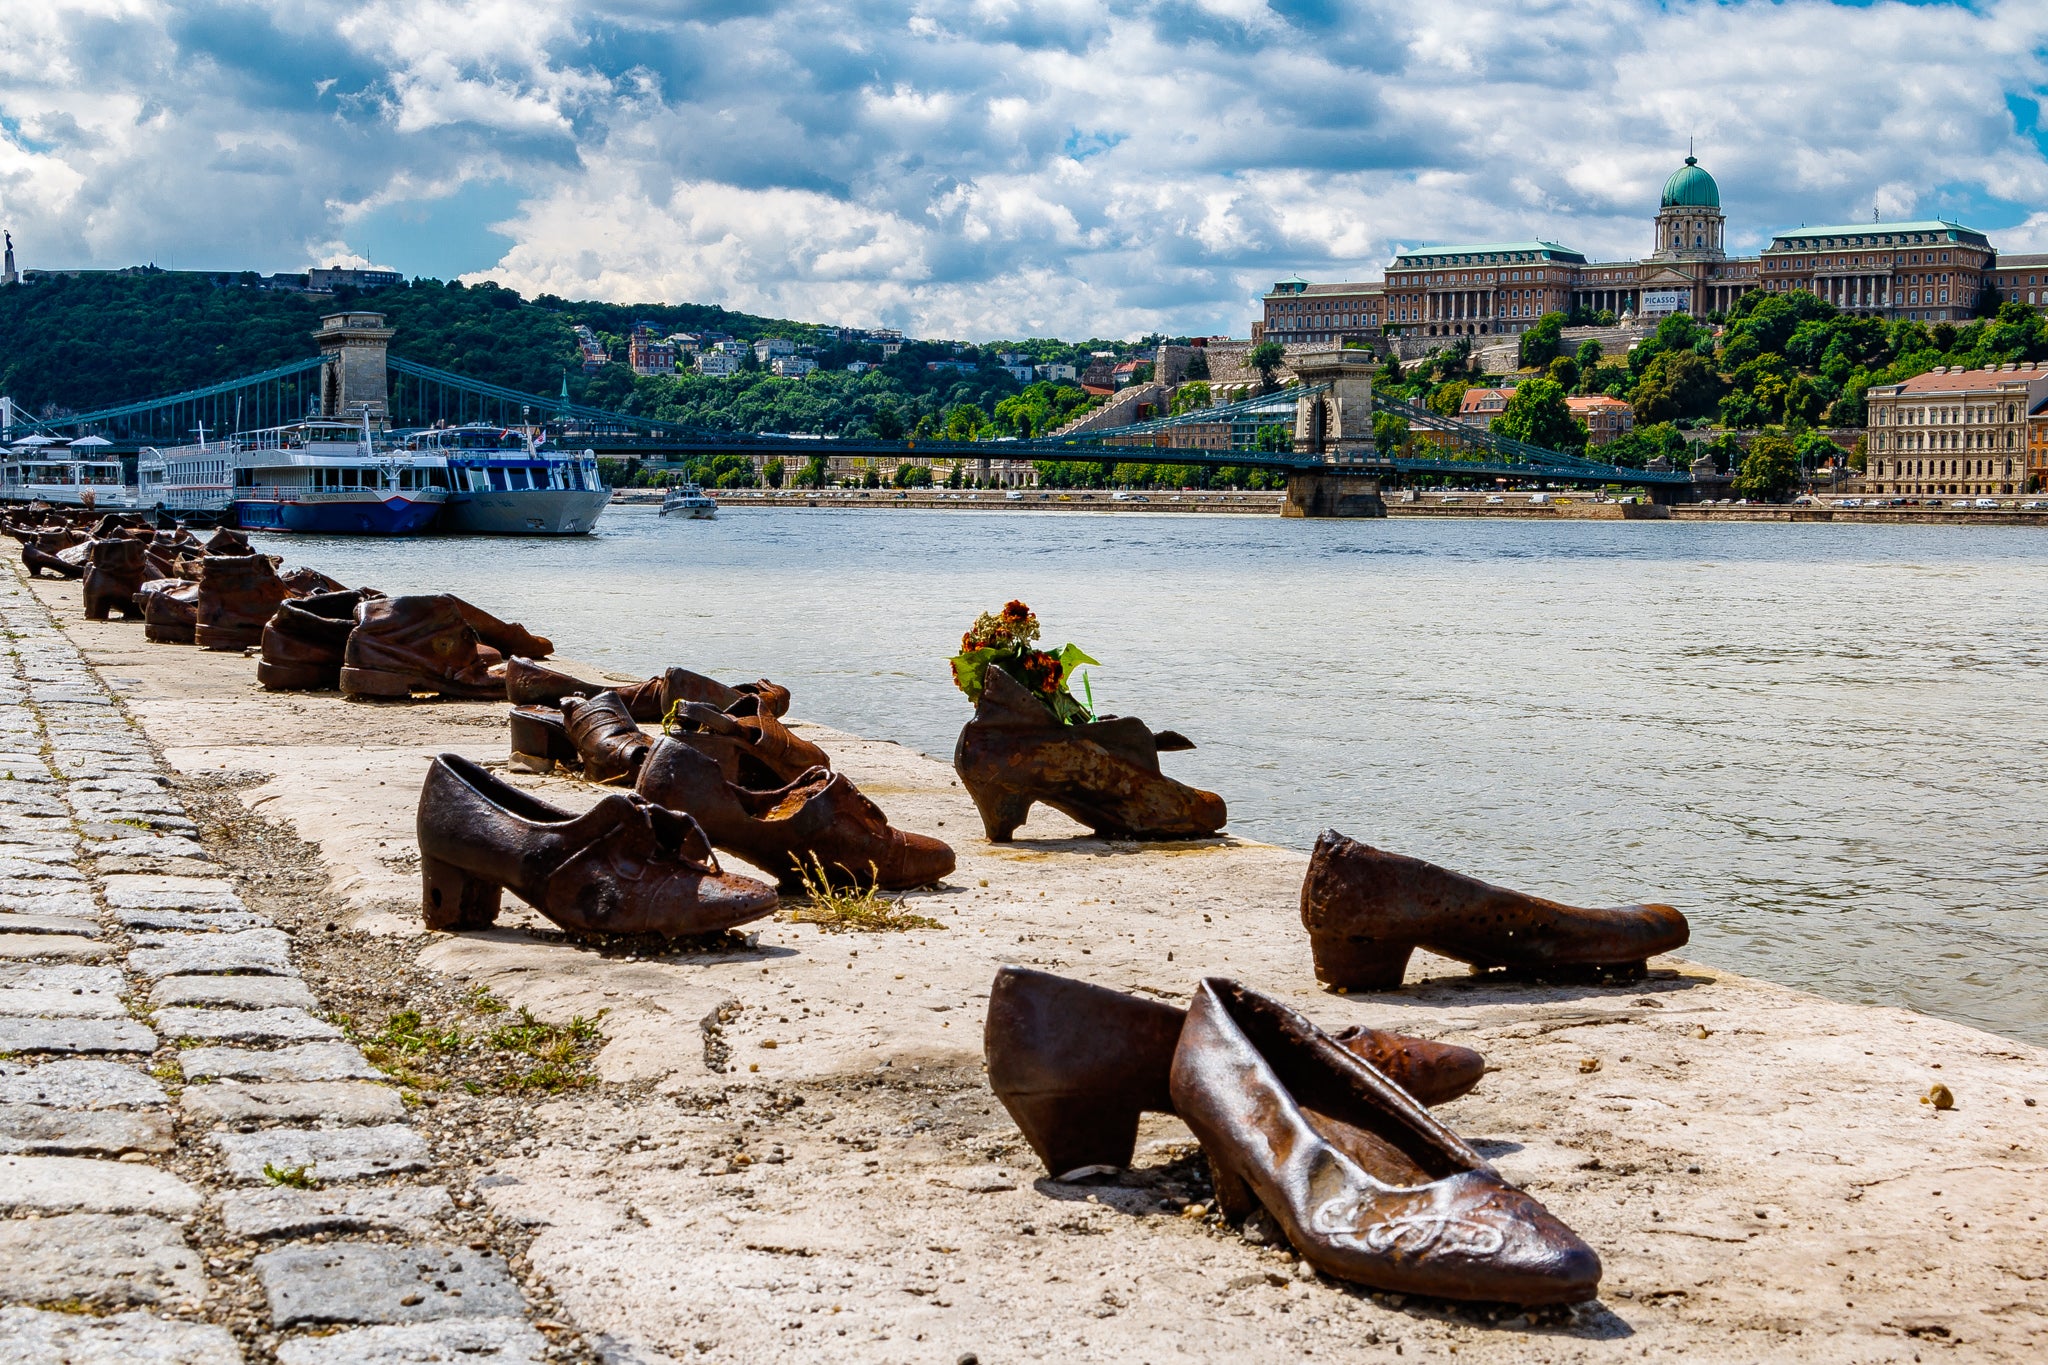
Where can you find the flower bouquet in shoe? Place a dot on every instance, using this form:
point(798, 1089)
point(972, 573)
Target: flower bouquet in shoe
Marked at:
point(1008, 640)
point(1031, 740)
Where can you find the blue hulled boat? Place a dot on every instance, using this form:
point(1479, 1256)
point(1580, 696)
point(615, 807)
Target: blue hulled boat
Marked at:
point(330, 478)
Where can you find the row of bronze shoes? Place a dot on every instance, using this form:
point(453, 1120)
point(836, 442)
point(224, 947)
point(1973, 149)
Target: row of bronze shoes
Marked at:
point(722, 772)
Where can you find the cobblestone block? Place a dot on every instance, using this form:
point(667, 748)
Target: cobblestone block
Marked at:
point(30, 1336)
point(74, 1035)
point(132, 891)
point(306, 1062)
point(73, 1184)
point(131, 786)
point(70, 947)
point(373, 1283)
point(39, 850)
point(71, 1132)
point(327, 1154)
point(262, 951)
point(48, 898)
point(243, 1026)
point(501, 1341)
point(14, 923)
point(29, 870)
point(194, 921)
point(409, 1209)
point(294, 1102)
point(240, 992)
point(149, 846)
point(83, 992)
point(79, 1084)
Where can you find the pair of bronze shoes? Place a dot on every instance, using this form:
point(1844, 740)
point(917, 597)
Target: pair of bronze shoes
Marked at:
point(1313, 1127)
point(531, 684)
point(1104, 774)
point(428, 643)
point(625, 866)
point(600, 733)
point(1367, 911)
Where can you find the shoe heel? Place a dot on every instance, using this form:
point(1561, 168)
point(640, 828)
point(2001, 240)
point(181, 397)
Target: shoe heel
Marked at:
point(1359, 966)
point(375, 682)
point(1073, 1133)
point(452, 899)
point(96, 607)
point(1234, 1197)
point(1001, 812)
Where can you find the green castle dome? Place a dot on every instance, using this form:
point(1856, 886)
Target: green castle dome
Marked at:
point(1691, 188)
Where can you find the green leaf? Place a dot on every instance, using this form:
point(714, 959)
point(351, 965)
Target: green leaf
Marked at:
point(970, 667)
point(1071, 657)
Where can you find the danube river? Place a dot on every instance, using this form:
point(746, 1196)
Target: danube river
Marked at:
point(1823, 743)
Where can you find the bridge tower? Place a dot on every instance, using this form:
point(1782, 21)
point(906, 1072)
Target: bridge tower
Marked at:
point(356, 379)
point(1334, 427)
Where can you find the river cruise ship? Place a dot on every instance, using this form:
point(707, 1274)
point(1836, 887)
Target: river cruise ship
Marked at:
point(690, 501)
point(501, 482)
point(328, 477)
point(65, 474)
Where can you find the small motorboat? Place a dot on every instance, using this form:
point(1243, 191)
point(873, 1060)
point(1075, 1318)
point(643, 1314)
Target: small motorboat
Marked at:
point(688, 500)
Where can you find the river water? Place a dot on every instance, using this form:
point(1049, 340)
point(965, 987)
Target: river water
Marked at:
point(1823, 743)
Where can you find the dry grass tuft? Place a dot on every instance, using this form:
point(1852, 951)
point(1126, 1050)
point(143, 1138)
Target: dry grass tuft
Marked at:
point(838, 910)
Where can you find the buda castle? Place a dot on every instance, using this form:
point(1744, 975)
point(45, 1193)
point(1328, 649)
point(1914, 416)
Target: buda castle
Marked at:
point(1932, 270)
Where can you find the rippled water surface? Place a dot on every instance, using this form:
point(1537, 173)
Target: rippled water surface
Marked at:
point(1823, 743)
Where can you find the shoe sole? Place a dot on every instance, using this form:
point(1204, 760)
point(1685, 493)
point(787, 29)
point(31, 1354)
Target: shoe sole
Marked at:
point(227, 639)
point(297, 677)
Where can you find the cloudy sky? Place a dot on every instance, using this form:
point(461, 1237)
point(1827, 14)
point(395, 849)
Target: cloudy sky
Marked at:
point(985, 168)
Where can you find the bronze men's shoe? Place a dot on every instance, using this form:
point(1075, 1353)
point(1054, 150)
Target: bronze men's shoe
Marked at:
point(528, 683)
point(625, 866)
point(606, 738)
point(228, 541)
point(540, 740)
point(1367, 910)
point(305, 641)
point(755, 751)
point(170, 607)
point(1104, 774)
point(507, 637)
point(55, 553)
point(1365, 1184)
point(172, 554)
point(237, 595)
point(403, 645)
point(305, 582)
point(1076, 1064)
point(819, 822)
point(114, 574)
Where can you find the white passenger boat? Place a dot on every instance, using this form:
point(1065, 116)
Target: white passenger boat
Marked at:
point(688, 500)
point(502, 483)
point(324, 476)
point(65, 474)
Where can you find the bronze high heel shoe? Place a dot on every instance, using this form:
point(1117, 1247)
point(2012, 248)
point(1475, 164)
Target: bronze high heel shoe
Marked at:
point(1366, 910)
point(1076, 1064)
point(625, 866)
point(611, 745)
point(1104, 774)
point(1365, 1184)
point(819, 824)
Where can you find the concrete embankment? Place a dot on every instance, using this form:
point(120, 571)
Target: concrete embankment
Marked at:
point(789, 1152)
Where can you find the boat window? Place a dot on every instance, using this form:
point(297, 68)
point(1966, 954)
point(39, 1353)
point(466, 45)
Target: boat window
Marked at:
point(498, 479)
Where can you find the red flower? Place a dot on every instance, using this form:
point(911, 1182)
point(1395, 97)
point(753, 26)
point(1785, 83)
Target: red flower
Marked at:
point(1015, 611)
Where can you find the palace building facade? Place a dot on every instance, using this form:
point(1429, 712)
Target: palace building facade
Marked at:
point(1931, 270)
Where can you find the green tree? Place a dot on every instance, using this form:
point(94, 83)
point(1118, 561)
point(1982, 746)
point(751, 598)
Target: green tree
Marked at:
point(1189, 397)
point(1388, 432)
point(1538, 345)
point(1676, 384)
point(1266, 357)
point(913, 476)
point(1565, 371)
point(1770, 472)
point(1198, 364)
point(1448, 397)
point(814, 472)
point(771, 472)
point(1538, 415)
point(1589, 357)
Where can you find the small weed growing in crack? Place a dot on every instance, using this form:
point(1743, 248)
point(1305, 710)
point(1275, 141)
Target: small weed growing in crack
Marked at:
point(480, 999)
point(561, 1052)
point(836, 910)
point(298, 1177)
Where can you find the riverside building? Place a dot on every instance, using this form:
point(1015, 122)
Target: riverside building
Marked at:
point(1955, 431)
point(1931, 270)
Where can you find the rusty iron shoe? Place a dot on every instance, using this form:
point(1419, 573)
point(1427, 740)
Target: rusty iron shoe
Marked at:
point(611, 746)
point(529, 684)
point(238, 594)
point(1076, 1064)
point(1360, 1178)
point(170, 607)
point(1104, 775)
point(752, 751)
point(625, 866)
point(1366, 910)
point(819, 822)
point(114, 573)
point(305, 641)
point(403, 645)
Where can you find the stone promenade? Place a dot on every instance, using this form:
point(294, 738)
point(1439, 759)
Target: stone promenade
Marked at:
point(196, 1167)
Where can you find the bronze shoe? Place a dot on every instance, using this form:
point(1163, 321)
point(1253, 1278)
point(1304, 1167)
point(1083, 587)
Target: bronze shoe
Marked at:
point(305, 582)
point(1104, 774)
point(819, 822)
point(228, 541)
point(305, 641)
point(625, 866)
point(1366, 910)
point(403, 645)
point(55, 553)
point(170, 607)
point(752, 751)
point(507, 637)
point(540, 740)
point(528, 684)
point(602, 729)
point(237, 595)
point(1076, 1064)
point(114, 574)
point(1365, 1184)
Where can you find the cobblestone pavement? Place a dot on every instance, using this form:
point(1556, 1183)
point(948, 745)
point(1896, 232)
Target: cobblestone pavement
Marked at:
point(196, 1168)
